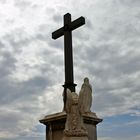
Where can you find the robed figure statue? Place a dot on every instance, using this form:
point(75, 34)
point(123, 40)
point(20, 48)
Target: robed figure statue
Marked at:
point(85, 97)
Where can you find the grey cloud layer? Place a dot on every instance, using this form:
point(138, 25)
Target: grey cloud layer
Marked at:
point(106, 50)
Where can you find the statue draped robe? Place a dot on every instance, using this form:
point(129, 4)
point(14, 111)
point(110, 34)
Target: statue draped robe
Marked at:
point(74, 123)
point(85, 97)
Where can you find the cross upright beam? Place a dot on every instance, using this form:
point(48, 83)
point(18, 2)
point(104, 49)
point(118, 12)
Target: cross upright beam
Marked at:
point(66, 30)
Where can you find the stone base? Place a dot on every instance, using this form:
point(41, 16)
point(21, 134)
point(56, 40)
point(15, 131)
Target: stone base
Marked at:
point(75, 138)
point(55, 125)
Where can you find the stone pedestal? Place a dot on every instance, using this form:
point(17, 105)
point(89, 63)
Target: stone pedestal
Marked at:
point(55, 125)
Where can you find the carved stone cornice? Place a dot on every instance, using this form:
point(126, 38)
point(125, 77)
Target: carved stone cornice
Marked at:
point(60, 118)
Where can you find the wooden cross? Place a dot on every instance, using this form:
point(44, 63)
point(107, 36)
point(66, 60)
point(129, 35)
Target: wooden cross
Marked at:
point(66, 30)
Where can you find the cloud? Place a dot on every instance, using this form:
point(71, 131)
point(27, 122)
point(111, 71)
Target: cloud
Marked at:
point(22, 4)
point(106, 49)
point(124, 138)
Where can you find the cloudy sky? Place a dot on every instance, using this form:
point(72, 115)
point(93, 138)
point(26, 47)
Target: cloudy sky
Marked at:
point(106, 49)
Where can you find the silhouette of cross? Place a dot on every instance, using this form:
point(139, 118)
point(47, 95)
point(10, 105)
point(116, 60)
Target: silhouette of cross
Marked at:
point(66, 30)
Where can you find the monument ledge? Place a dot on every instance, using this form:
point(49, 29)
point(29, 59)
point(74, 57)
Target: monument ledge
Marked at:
point(88, 118)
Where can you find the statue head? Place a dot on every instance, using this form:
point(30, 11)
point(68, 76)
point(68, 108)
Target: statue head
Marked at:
point(86, 80)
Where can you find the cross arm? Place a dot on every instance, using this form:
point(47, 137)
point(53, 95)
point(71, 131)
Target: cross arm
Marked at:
point(58, 33)
point(77, 23)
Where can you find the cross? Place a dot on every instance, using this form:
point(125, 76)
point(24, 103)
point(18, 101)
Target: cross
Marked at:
point(66, 30)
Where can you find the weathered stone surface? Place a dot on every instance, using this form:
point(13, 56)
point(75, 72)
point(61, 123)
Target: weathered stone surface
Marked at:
point(77, 122)
point(74, 123)
point(85, 97)
point(75, 138)
point(55, 125)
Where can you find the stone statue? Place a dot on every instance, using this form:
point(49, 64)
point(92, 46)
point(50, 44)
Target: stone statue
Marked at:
point(74, 123)
point(85, 97)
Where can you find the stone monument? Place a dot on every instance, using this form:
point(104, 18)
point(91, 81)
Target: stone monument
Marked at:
point(76, 121)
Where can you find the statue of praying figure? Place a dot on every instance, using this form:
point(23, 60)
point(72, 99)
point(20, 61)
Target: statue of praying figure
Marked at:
point(85, 97)
point(74, 123)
